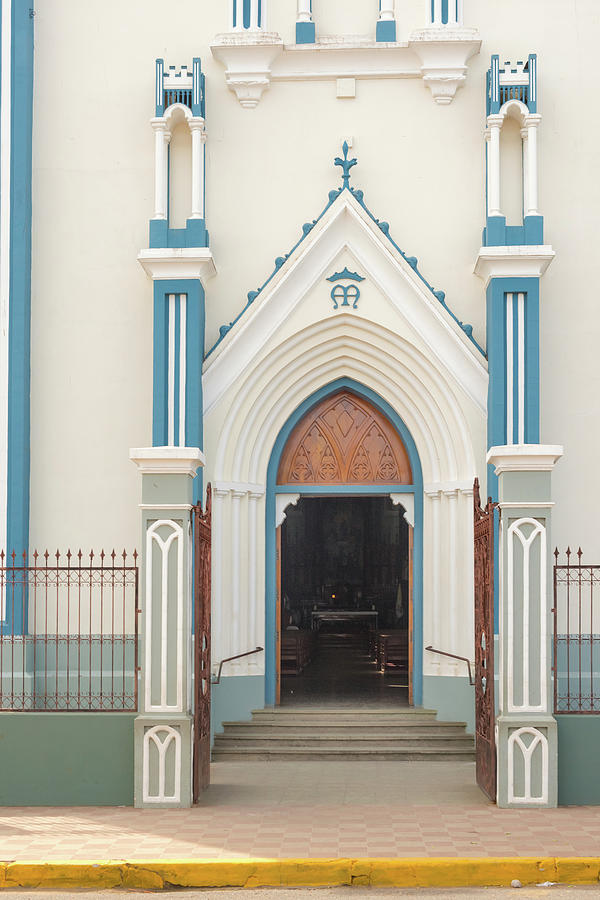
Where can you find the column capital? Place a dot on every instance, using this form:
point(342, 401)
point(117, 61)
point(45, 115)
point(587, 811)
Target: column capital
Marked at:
point(524, 457)
point(532, 120)
point(167, 460)
point(495, 120)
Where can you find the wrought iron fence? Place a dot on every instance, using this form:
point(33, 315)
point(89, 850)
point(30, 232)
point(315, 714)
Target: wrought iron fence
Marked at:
point(68, 632)
point(576, 657)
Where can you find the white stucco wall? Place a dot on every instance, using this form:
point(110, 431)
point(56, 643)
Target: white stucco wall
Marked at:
point(269, 170)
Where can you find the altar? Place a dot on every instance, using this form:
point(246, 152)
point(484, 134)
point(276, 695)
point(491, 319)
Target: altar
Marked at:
point(319, 616)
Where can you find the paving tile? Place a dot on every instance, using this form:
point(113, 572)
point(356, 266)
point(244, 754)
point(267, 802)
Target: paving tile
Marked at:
point(252, 809)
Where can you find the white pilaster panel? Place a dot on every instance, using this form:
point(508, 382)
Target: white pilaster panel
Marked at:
point(517, 745)
point(518, 662)
point(157, 680)
point(161, 737)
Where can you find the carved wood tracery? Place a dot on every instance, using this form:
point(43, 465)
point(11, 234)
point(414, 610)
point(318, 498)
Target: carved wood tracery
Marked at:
point(344, 440)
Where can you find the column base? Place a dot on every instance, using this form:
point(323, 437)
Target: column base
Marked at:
point(385, 31)
point(305, 33)
point(527, 749)
point(163, 762)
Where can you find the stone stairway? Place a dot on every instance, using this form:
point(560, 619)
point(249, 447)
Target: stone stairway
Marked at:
point(295, 733)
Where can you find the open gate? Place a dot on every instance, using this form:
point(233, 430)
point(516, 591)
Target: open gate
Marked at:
point(485, 738)
point(202, 553)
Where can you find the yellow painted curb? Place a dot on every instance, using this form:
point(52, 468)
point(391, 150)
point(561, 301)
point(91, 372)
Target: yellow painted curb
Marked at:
point(249, 873)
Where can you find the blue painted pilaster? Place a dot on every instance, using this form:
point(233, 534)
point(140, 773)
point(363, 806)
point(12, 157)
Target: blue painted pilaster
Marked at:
point(188, 367)
point(20, 278)
point(499, 430)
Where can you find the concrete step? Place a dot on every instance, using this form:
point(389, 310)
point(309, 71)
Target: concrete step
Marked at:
point(349, 729)
point(355, 733)
point(293, 754)
point(223, 742)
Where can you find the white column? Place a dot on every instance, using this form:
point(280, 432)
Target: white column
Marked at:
point(254, 26)
point(236, 547)
point(531, 199)
point(161, 167)
point(493, 138)
point(386, 10)
point(452, 18)
point(435, 497)
point(217, 577)
point(252, 568)
point(453, 610)
point(304, 11)
point(525, 157)
point(437, 12)
point(238, 6)
point(198, 140)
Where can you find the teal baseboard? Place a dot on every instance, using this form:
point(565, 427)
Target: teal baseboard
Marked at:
point(578, 746)
point(66, 759)
point(234, 699)
point(452, 697)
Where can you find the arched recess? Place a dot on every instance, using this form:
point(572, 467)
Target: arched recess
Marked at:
point(277, 461)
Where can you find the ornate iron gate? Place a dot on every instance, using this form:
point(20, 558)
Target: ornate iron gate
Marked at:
point(202, 556)
point(485, 743)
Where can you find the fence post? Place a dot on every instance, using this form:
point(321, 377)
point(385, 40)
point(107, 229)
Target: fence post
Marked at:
point(526, 730)
point(163, 729)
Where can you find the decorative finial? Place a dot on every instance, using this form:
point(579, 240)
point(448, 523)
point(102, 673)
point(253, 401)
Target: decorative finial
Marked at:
point(346, 164)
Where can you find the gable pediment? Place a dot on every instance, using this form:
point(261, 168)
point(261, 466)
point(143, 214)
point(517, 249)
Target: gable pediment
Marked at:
point(345, 263)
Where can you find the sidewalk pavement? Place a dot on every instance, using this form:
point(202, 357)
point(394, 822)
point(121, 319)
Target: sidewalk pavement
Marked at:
point(384, 824)
point(277, 810)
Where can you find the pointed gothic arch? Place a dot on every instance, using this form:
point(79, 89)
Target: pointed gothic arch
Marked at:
point(344, 439)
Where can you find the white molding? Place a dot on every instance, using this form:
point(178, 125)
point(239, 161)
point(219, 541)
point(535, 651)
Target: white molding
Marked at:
point(515, 740)
point(444, 53)
point(167, 460)
point(436, 487)
point(5, 225)
point(253, 60)
point(520, 261)
point(282, 501)
point(174, 506)
point(407, 502)
point(524, 458)
point(162, 747)
point(243, 486)
point(522, 504)
point(172, 263)
point(248, 57)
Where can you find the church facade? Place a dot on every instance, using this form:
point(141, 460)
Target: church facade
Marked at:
point(286, 256)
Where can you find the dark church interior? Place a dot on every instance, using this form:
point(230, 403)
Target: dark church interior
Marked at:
point(344, 601)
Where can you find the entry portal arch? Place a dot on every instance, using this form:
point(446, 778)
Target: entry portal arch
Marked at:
point(319, 452)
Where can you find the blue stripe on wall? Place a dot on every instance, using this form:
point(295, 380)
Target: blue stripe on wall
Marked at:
point(20, 279)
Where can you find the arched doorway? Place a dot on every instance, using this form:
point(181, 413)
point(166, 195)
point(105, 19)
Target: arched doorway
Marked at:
point(345, 527)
